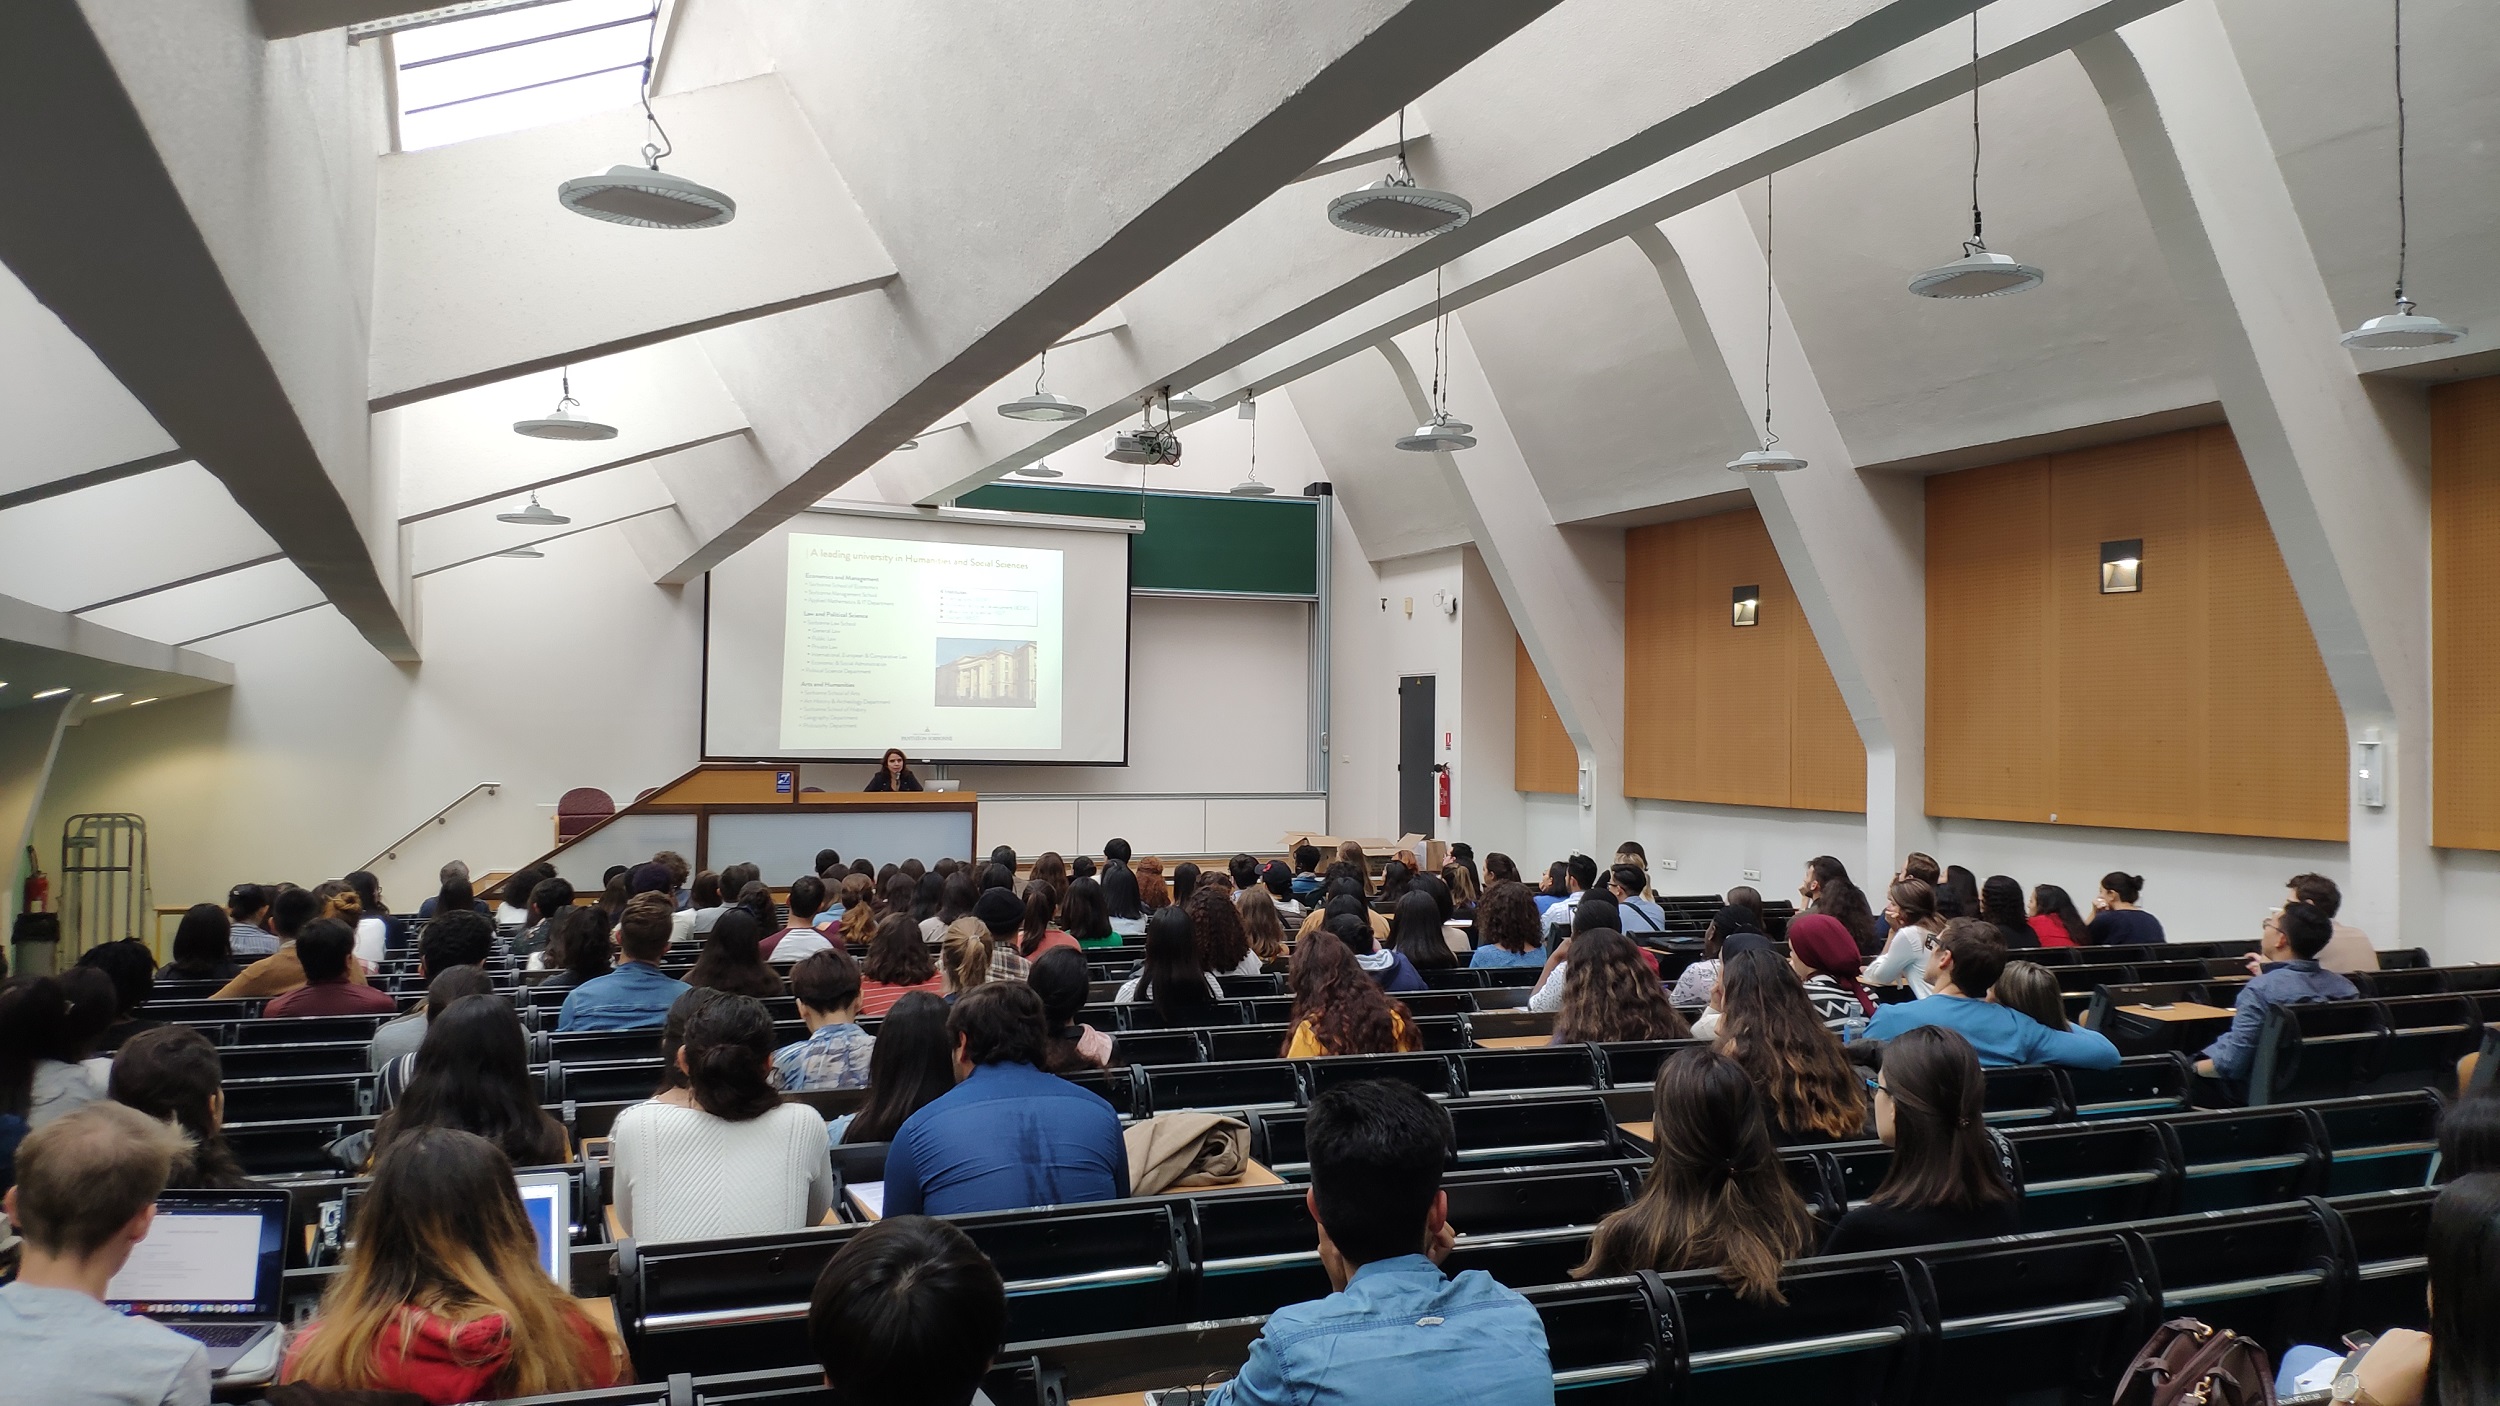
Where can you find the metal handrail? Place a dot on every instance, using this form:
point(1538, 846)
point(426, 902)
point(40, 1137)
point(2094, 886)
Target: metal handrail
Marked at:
point(783, 1312)
point(1795, 1350)
point(391, 850)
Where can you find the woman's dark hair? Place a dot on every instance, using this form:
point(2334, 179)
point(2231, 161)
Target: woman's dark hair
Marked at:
point(1942, 1157)
point(130, 966)
point(1041, 904)
point(926, 894)
point(1506, 916)
point(1063, 981)
point(733, 958)
point(1394, 879)
point(1184, 882)
point(1083, 915)
point(1610, 994)
point(728, 1049)
point(172, 1072)
point(1726, 923)
point(1050, 868)
point(453, 896)
point(1415, 929)
point(912, 1063)
point(703, 890)
point(1215, 924)
point(673, 1033)
point(1173, 978)
point(515, 892)
point(1499, 866)
point(1347, 1011)
point(2128, 887)
point(1081, 867)
point(1837, 896)
point(1810, 1089)
point(2053, 902)
point(956, 896)
point(2001, 903)
point(2464, 1291)
point(473, 1074)
point(1439, 891)
point(49, 1017)
point(1716, 1196)
point(2469, 1135)
point(897, 956)
point(203, 944)
point(1244, 868)
point(1957, 894)
point(1916, 898)
point(577, 943)
point(453, 984)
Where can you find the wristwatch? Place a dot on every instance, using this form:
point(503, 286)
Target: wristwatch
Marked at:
point(2347, 1386)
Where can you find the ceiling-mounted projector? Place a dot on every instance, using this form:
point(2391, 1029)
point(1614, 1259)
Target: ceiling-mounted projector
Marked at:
point(1151, 445)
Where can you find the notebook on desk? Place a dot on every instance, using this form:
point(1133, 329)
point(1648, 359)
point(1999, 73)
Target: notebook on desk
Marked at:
point(210, 1269)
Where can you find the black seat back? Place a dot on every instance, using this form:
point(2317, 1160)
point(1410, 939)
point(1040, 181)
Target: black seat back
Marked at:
point(1846, 1337)
point(1533, 1227)
point(1554, 1069)
point(298, 1096)
point(1243, 1085)
point(2067, 1310)
point(2140, 1086)
point(1432, 1073)
point(2426, 1036)
point(1159, 1047)
point(2316, 1049)
point(2092, 1174)
point(2243, 1157)
point(2271, 1273)
point(2379, 1143)
point(2389, 1235)
point(2024, 1094)
point(1534, 1131)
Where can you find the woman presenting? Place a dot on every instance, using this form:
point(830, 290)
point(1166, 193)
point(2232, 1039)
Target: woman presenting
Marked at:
point(893, 774)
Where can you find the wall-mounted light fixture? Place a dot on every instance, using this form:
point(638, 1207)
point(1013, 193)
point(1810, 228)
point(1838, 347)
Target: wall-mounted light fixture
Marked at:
point(1747, 608)
point(2122, 567)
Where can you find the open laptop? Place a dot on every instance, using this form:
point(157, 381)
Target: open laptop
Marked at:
point(210, 1269)
point(547, 1199)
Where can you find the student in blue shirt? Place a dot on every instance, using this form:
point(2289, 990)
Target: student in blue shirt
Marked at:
point(1397, 1331)
point(636, 994)
point(1635, 913)
point(1007, 1135)
point(1963, 966)
point(2286, 973)
point(1306, 880)
point(1506, 928)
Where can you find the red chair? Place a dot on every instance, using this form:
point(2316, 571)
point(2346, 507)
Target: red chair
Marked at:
point(579, 809)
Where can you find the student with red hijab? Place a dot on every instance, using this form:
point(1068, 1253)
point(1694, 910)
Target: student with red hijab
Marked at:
point(1826, 956)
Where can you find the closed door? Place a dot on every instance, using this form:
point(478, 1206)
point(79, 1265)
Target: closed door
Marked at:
point(1415, 723)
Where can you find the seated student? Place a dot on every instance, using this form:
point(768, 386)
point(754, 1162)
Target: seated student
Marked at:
point(1962, 969)
point(2032, 989)
point(578, 949)
point(1385, 965)
point(2054, 919)
point(1339, 1010)
point(1579, 876)
point(1124, 899)
point(1085, 914)
point(280, 971)
point(1693, 987)
point(457, 984)
point(457, 939)
point(1810, 1090)
point(898, 964)
point(2469, 1135)
point(48, 1028)
point(444, 899)
point(706, 901)
point(512, 906)
point(1007, 1135)
point(658, 878)
point(678, 1151)
point(1716, 1196)
point(637, 993)
point(1951, 1176)
point(2349, 950)
point(2456, 1363)
point(2287, 973)
point(1171, 979)
point(441, 1295)
point(1306, 880)
point(1262, 926)
point(1506, 928)
point(550, 898)
point(325, 953)
point(1910, 909)
point(1276, 878)
point(131, 967)
point(247, 908)
point(909, 1313)
point(1223, 943)
point(1397, 1331)
point(1635, 911)
point(1609, 994)
point(1826, 958)
point(1345, 885)
point(800, 940)
point(1415, 931)
point(733, 959)
point(472, 1073)
point(1593, 913)
point(85, 1195)
point(835, 1053)
point(999, 915)
point(913, 1063)
point(203, 947)
point(2116, 921)
point(1038, 930)
point(172, 1074)
point(1062, 979)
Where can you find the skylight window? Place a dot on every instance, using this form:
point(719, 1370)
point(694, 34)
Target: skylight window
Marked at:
point(518, 68)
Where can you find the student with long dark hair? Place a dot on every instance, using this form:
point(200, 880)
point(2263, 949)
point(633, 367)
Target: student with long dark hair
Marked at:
point(1506, 928)
point(2054, 919)
point(1223, 944)
point(2001, 903)
point(733, 959)
point(1340, 1010)
point(722, 1155)
point(1063, 981)
point(913, 1062)
point(472, 1073)
point(172, 1073)
point(1951, 1177)
point(898, 964)
point(131, 967)
point(1957, 894)
point(1172, 978)
point(1184, 882)
point(203, 947)
point(1810, 1090)
point(1830, 891)
point(1086, 916)
point(1038, 931)
point(1415, 930)
point(48, 1027)
point(1124, 896)
point(2456, 1363)
point(1715, 1196)
point(1610, 993)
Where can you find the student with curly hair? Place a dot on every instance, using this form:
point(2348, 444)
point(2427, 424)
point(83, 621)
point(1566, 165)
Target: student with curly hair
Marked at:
point(1339, 1010)
point(1610, 993)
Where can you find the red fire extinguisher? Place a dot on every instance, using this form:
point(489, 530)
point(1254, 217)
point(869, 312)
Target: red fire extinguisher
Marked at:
point(1441, 783)
point(39, 886)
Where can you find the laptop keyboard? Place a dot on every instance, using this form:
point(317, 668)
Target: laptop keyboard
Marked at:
point(219, 1334)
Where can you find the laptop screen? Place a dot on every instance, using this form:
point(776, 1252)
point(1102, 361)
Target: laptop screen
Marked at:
point(209, 1254)
point(546, 1198)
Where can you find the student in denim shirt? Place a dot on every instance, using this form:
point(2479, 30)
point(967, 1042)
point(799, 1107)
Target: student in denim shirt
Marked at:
point(637, 994)
point(2288, 974)
point(1397, 1330)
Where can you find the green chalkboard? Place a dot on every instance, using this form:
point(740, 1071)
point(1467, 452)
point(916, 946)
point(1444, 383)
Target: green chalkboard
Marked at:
point(1192, 541)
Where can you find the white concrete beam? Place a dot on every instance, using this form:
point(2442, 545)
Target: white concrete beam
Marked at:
point(449, 539)
point(284, 19)
point(67, 416)
point(227, 296)
point(213, 606)
point(1562, 586)
point(2341, 464)
point(999, 255)
point(480, 275)
point(1282, 294)
point(1853, 545)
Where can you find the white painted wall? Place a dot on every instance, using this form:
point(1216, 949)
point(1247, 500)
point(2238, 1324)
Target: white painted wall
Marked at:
point(1374, 642)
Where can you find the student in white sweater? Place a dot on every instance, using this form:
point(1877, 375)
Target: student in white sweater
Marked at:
point(721, 1154)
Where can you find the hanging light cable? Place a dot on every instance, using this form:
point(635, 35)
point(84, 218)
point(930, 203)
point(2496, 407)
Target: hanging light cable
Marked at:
point(1441, 432)
point(1770, 458)
point(646, 196)
point(1395, 207)
point(1978, 273)
point(1041, 405)
point(1251, 487)
point(2403, 327)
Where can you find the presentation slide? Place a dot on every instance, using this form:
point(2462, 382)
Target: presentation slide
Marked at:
point(937, 648)
point(192, 1259)
point(962, 638)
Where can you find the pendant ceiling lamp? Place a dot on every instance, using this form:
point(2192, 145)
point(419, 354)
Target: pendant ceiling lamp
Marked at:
point(534, 516)
point(1040, 406)
point(1443, 432)
point(645, 196)
point(560, 423)
point(1770, 458)
point(1039, 468)
point(2404, 327)
point(530, 552)
point(1251, 487)
point(1395, 207)
point(1980, 272)
point(1188, 403)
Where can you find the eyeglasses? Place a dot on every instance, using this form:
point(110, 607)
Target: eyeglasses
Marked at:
point(1872, 1084)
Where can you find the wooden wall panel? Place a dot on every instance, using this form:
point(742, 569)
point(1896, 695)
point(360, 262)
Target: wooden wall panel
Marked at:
point(2465, 614)
point(2197, 704)
point(1542, 757)
point(1720, 714)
